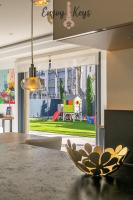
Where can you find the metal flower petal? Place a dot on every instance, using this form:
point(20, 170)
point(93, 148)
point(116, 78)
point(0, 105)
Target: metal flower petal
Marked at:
point(94, 158)
point(105, 158)
point(88, 148)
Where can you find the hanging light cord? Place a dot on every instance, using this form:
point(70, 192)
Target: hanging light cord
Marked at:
point(32, 60)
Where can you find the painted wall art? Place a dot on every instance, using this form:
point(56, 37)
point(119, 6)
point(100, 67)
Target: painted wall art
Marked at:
point(7, 86)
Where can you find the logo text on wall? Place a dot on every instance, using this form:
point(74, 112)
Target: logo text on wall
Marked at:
point(68, 15)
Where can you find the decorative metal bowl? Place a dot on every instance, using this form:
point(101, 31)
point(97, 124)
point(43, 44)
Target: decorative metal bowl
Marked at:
point(97, 161)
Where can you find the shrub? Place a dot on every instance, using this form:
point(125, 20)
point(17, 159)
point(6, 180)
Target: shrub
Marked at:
point(89, 96)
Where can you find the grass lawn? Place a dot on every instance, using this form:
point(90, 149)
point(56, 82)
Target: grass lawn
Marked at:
point(68, 128)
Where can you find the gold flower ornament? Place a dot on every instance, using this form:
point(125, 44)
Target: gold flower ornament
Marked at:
point(97, 161)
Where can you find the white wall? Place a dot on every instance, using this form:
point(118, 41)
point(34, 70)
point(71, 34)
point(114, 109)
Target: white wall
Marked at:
point(84, 57)
point(120, 80)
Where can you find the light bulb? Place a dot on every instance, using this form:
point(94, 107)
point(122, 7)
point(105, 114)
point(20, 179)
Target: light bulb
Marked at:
point(40, 2)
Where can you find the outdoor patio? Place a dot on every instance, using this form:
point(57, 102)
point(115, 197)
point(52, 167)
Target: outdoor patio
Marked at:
point(78, 140)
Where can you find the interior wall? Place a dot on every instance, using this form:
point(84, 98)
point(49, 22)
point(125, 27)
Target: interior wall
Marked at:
point(120, 80)
point(64, 60)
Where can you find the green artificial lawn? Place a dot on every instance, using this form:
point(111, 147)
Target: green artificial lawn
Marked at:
point(64, 127)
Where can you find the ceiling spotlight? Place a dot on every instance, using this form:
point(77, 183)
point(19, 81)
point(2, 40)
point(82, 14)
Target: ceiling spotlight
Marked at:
point(40, 2)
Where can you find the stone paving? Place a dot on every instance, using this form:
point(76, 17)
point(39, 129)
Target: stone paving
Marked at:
point(79, 141)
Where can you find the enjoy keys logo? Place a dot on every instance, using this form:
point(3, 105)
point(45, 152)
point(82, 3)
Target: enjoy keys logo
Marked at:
point(68, 15)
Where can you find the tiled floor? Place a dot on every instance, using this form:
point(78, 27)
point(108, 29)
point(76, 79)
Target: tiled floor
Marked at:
point(80, 141)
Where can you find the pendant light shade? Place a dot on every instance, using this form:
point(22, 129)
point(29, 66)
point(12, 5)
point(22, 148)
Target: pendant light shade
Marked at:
point(32, 83)
point(40, 2)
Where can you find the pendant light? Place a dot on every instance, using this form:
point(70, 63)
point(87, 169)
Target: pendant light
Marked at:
point(50, 67)
point(50, 64)
point(40, 2)
point(32, 83)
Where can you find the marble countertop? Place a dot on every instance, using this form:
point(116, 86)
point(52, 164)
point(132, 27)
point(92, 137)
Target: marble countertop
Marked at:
point(35, 173)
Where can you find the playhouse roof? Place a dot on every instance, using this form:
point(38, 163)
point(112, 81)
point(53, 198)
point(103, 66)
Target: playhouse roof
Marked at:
point(72, 97)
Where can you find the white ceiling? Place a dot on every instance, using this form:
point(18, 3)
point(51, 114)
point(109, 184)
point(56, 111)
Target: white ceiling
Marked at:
point(15, 25)
point(15, 21)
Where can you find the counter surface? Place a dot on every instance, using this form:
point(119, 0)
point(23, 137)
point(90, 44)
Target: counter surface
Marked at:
point(36, 173)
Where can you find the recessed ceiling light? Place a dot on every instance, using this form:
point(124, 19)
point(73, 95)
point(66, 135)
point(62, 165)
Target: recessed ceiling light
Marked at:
point(10, 33)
